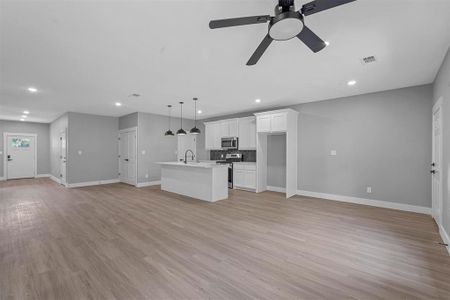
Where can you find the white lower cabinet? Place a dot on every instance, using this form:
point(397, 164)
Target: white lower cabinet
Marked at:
point(244, 176)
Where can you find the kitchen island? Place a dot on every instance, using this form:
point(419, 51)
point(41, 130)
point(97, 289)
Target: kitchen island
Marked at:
point(204, 181)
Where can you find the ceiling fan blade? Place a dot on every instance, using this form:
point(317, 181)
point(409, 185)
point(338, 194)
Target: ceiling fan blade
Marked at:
point(320, 5)
point(238, 21)
point(260, 50)
point(311, 40)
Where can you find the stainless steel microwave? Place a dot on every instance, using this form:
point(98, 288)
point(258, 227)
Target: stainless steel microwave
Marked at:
point(229, 143)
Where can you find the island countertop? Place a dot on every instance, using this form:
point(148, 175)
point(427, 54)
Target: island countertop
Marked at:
point(191, 164)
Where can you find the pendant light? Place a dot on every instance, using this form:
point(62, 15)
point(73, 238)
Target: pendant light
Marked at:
point(181, 130)
point(195, 130)
point(169, 132)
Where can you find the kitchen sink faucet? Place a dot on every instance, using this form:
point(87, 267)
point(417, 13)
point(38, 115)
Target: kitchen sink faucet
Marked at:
point(186, 153)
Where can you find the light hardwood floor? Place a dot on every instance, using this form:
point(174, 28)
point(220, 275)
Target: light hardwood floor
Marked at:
point(120, 242)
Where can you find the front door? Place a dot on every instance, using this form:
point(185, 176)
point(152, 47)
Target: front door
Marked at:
point(127, 156)
point(20, 156)
point(436, 168)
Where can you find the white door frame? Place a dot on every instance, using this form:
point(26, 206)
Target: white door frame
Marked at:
point(5, 151)
point(65, 175)
point(130, 129)
point(436, 106)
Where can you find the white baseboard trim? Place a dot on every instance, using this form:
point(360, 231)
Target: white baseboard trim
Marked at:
point(445, 237)
point(55, 179)
point(370, 202)
point(91, 183)
point(276, 189)
point(42, 175)
point(149, 183)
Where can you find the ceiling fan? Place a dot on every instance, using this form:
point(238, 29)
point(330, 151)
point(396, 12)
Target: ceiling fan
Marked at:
point(285, 25)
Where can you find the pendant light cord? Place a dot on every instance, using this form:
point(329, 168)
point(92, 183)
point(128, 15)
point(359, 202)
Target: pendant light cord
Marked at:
point(181, 115)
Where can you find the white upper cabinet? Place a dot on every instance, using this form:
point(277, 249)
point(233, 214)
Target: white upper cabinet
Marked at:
point(209, 136)
point(264, 123)
point(279, 122)
point(233, 128)
point(212, 136)
point(215, 131)
point(247, 133)
point(272, 122)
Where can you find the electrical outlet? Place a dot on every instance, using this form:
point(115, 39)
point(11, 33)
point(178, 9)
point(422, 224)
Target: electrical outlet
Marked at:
point(369, 190)
point(333, 152)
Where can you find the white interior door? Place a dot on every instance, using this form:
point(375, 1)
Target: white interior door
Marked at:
point(127, 156)
point(20, 156)
point(186, 142)
point(63, 156)
point(436, 167)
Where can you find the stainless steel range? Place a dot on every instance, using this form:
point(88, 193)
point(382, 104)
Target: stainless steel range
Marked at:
point(229, 159)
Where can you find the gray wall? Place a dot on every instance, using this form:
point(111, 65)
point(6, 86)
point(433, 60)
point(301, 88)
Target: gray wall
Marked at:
point(276, 163)
point(383, 140)
point(43, 144)
point(97, 138)
point(157, 147)
point(441, 88)
point(128, 121)
point(56, 127)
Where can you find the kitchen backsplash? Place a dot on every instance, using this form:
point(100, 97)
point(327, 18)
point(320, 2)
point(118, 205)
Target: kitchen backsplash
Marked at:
point(249, 155)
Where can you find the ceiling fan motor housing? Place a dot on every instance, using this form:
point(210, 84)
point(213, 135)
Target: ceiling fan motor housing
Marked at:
point(286, 3)
point(286, 25)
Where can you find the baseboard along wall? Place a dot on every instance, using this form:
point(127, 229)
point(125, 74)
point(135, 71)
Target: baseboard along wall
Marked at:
point(357, 200)
point(149, 183)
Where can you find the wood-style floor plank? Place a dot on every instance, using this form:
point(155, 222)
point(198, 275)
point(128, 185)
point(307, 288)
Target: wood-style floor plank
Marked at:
point(119, 242)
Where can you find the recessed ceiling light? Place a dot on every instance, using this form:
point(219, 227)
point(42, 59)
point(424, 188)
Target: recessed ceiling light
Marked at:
point(351, 82)
point(257, 100)
point(199, 111)
point(22, 120)
point(327, 43)
point(118, 104)
point(24, 116)
point(32, 89)
point(26, 112)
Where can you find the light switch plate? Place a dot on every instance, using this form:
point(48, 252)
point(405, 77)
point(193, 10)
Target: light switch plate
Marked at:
point(143, 152)
point(333, 152)
point(369, 190)
point(1, 152)
point(80, 152)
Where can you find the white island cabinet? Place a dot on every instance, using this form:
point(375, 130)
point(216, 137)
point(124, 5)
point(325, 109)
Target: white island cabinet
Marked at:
point(204, 181)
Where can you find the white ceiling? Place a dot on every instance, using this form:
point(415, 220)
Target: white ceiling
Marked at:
point(84, 56)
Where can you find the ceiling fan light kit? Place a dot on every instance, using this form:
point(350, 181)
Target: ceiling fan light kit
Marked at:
point(285, 25)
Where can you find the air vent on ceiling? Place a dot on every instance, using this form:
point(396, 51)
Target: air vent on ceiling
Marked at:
point(368, 60)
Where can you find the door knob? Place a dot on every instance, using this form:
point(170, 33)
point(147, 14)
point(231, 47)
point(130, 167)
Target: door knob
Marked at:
point(433, 164)
point(433, 171)
point(9, 158)
point(126, 159)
